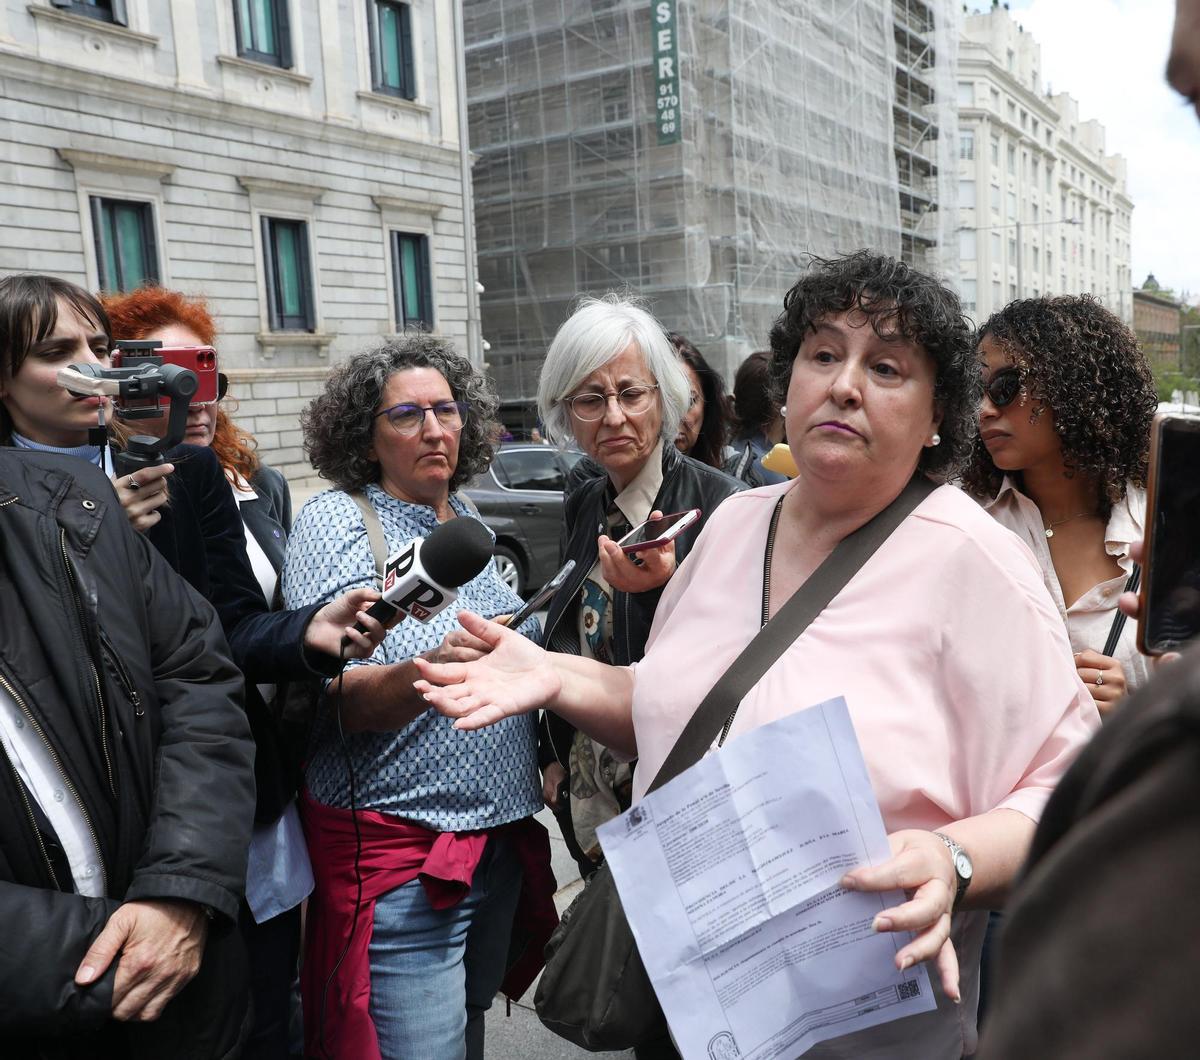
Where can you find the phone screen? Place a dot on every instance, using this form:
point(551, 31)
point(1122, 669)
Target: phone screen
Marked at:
point(1172, 601)
point(657, 529)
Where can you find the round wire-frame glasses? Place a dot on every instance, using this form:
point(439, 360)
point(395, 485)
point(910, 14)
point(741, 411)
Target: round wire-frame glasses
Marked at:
point(633, 401)
point(407, 419)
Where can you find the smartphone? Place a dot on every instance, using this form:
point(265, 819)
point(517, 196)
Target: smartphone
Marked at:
point(199, 359)
point(654, 533)
point(535, 602)
point(1170, 593)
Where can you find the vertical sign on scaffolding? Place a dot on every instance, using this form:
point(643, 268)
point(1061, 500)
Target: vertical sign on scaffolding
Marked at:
point(665, 26)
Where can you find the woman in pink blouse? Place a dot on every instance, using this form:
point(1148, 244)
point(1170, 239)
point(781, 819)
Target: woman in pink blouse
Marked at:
point(1061, 460)
point(945, 645)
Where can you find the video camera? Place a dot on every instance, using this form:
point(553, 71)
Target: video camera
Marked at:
point(137, 387)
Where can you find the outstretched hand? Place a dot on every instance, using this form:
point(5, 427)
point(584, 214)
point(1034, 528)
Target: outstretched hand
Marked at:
point(921, 867)
point(514, 677)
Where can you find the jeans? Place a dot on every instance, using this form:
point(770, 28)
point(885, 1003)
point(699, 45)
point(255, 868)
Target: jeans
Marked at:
point(434, 972)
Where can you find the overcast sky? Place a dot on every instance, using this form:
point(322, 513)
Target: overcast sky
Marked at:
point(1110, 55)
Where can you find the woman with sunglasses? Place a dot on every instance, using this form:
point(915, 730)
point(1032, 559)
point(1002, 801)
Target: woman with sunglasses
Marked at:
point(613, 384)
point(420, 835)
point(1061, 460)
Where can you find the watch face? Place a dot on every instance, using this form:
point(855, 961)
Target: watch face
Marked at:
point(962, 865)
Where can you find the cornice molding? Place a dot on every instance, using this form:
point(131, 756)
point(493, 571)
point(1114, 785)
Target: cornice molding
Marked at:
point(272, 186)
point(43, 72)
point(95, 25)
point(249, 66)
point(122, 164)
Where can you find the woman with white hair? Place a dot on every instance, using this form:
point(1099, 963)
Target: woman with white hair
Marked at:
point(613, 384)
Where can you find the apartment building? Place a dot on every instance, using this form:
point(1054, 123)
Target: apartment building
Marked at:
point(1043, 209)
point(302, 164)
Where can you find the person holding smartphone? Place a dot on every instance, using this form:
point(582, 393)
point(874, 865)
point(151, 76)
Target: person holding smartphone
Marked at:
point(613, 384)
point(1061, 460)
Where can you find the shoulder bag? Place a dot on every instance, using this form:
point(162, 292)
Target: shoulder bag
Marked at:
point(594, 990)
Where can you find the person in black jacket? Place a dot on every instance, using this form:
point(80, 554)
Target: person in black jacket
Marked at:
point(188, 512)
point(613, 384)
point(127, 783)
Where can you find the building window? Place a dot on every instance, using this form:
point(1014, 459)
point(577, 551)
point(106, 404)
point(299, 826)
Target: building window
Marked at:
point(1012, 205)
point(102, 10)
point(1012, 250)
point(966, 194)
point(389, 26)
point(995, 100)
point(997, 294)
point(995, 150)
point(966, 245)
point(995, 247)
point(126, 255)
point(263, 35)
point(1012, 160)
point(615, 104)
point(966, 94)
point(290, 302)
point(412, 281)
point(968, 296)
point(966, 144)
point(1012, 60)
point(996, 199)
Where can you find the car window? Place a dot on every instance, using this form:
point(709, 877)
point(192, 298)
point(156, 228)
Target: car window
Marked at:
point(529, 469)
point(570, 457)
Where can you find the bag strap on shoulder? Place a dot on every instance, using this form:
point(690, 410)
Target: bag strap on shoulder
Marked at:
point(791, 620)
point(374, 531)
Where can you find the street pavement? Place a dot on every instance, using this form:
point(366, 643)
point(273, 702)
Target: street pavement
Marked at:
point(521, 1036)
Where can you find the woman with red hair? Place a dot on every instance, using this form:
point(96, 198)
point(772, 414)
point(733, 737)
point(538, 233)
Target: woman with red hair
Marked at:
point(279, 875)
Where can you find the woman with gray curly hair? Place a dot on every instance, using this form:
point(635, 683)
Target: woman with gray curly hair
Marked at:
point(421, 831)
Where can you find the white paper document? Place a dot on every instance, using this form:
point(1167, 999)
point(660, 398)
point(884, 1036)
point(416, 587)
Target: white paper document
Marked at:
point(729, 877)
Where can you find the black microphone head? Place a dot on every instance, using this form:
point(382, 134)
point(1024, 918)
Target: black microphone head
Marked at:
point(456, 551)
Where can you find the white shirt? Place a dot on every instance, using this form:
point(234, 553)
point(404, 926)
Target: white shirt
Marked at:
point(278, 873)
point(44, 780)
point(1089, 619)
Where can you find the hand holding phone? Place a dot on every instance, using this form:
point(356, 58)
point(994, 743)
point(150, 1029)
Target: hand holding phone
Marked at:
point(656, 532)
point(1169, 608)
point(535, 602)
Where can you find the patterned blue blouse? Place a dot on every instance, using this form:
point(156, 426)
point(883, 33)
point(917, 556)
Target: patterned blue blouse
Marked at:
point(427, 772)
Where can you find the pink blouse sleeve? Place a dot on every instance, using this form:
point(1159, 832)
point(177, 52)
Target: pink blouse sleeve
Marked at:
point(1009, 678)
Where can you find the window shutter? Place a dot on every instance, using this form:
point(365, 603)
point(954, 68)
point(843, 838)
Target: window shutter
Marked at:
point(62, 3)
point(273, 307)
point(407, 77)
point(424, 282)
point(283, 31)
point(374, 45)
point(308, 288)
point(104, 280)
point(150, 244)
point(119, 15)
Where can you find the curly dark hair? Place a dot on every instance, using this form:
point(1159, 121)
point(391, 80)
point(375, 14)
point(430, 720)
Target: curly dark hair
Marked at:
point(1081, 362)
point(710, 443)
point(339, 423)
point(899, 302)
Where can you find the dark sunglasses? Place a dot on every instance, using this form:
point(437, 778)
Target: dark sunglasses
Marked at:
point(1002, 389)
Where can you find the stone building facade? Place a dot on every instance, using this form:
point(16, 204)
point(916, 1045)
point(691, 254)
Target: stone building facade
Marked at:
point(301, 164)
point(1043, 209)
point(1157, 320)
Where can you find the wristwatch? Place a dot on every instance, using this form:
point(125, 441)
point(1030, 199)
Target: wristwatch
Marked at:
point(963, 869)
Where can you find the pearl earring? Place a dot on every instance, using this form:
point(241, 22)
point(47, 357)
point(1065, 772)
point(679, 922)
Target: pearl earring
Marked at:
point(936, 439)
point(783, 410)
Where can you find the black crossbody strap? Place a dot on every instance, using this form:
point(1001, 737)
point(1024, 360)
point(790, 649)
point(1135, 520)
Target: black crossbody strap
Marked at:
point(785, 627)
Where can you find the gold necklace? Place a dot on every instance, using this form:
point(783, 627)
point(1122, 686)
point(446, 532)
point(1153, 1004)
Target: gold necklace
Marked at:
point(1058, 522)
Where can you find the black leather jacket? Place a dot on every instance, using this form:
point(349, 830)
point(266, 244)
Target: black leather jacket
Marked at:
point(686, 483)
point(124, 672)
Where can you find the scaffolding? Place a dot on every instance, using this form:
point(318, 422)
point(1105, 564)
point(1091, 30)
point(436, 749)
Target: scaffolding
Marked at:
point(789, 142)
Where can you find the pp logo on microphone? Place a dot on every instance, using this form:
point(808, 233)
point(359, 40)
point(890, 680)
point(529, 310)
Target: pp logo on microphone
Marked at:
point(398, 566)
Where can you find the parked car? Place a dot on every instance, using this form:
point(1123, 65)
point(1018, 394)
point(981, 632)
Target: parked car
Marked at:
point(520, 497)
